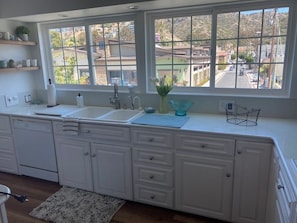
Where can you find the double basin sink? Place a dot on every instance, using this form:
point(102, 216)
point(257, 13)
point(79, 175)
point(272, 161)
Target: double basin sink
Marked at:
point(104, 114)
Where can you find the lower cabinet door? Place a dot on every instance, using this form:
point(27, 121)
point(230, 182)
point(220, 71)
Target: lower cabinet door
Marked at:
point(251, 177)
point(74, 163)
point(112, 170)
point(204, 186)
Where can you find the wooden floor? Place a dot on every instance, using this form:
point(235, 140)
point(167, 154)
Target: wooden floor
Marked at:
point(38, 190)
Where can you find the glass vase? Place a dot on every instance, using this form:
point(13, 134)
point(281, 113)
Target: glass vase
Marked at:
point(163, 105)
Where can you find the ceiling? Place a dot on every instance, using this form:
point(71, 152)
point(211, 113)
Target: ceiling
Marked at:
point(122, 8)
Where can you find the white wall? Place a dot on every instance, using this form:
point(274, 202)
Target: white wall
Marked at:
point(13, 8)
point(20, 83)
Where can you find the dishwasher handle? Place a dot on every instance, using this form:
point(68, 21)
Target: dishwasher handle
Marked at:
point(42, 126)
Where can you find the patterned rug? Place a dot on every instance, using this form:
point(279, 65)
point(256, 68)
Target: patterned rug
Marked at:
point(69, 205)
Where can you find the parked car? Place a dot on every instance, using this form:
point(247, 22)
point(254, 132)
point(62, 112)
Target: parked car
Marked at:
point(255, 77)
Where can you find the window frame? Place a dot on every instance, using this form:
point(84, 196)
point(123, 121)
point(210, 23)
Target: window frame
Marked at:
point(214, 10)
point(44, 37)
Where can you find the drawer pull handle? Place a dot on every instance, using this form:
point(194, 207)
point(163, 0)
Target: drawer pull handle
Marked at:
point(280, 187)
point(152, 197)
point(152, 177)
point(151, 158)
point(151, 139)
point(86, 153)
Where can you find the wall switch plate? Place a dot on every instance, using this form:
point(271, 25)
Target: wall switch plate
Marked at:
point(226, 104)
point(11, 100)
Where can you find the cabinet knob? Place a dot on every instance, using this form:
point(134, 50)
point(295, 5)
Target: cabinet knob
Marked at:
point(228, 175)
point(94, 155)
point(86, 153)
point(280, 187)
point(152, 197)
point(152, 177)
point(239, 152)
point(151, 139)
point(151, 158)
point(203, 146)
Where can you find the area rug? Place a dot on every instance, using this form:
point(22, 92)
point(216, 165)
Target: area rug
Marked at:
point(70, 205)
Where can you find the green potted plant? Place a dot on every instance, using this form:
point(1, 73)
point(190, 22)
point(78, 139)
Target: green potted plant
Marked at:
point(23, 32)
point(164, 86)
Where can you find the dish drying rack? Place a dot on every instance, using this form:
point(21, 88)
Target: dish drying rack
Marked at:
point(243, 116)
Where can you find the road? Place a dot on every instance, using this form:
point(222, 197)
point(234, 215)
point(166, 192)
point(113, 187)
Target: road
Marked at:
point(229, 79)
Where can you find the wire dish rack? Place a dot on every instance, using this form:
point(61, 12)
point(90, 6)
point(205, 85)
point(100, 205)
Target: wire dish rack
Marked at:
point(243, 116)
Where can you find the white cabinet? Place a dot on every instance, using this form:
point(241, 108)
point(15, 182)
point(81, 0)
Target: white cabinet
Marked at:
point(286, 197)
point(112, 170)
point(98, 159)
point(204, 177)
point(8, 162)
point(272, 215)
point(251, 177)
point(153, 172)
point(74, 163)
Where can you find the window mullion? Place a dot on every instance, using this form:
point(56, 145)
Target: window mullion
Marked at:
point(213, 52)
point(90, 55)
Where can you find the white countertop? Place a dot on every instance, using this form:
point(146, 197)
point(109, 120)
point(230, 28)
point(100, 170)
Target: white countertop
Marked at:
point(283, 132)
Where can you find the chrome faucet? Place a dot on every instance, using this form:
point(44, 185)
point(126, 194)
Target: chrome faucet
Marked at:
point(132, 101)
point(115, 100)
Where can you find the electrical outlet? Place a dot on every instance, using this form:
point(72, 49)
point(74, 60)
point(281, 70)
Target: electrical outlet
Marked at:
point(226, 104)
point(11, 100)
point(27, 98)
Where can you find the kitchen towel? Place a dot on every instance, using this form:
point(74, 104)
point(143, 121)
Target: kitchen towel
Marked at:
point(70, 126)
point(168, 120)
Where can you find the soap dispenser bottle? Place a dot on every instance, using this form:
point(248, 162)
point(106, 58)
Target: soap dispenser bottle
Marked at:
point(79, 100)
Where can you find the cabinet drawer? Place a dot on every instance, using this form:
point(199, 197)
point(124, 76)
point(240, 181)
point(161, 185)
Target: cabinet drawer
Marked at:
point(153, 157)
point(6, 145)
point(8, 163)
point(285, 194)
point(156, 176)
point(152, 137)
point(5, 127)
point(106, 133)
point(158, 197)
point(209, 145)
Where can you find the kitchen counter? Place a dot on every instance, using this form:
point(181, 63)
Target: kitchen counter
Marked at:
point(283, 132)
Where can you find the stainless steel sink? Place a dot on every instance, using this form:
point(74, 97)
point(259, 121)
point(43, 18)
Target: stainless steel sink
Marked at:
point(90, 112)
point(120, 115)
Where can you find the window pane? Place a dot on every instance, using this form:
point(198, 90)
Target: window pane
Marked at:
point(256, 58)
point(275, 21)
point(225, 29)
point(68, 51)
point(187, 55)
point(250, 23)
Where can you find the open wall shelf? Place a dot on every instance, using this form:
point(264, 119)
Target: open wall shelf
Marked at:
point(14, 42)
point(5, 70)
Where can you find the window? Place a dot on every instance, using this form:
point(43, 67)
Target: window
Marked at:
point(224, 49)
point(238, 50)
point(93, 54)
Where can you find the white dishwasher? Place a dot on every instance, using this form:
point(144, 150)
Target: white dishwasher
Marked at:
point(35, 148)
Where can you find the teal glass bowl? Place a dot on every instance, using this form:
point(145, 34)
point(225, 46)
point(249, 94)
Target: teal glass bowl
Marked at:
point(180, 106)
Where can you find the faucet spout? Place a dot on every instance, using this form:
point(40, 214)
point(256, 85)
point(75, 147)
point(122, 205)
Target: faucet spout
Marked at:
point(115, 100)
